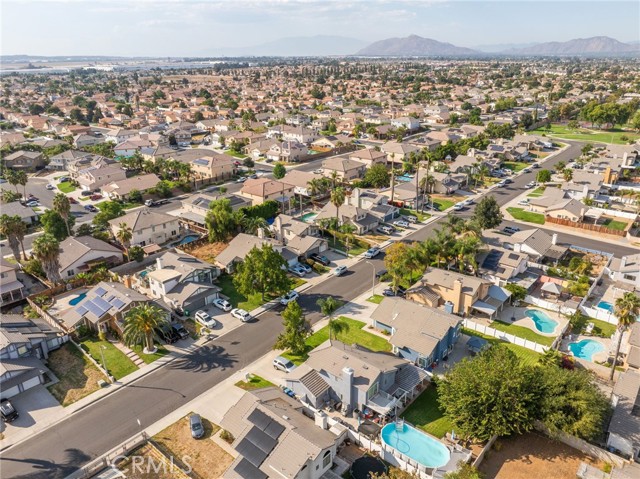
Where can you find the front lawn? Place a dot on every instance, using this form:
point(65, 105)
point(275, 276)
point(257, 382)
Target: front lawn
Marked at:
point(443, 204)
point(537, 192)
point(586, 134)
point(528, 216)
point(118, 364)
point(236, 154)
point(78, 376)
point(514, 166)
point(522, 332)
point(297, 282)
point(237, 299)
point(66, 187)
point(256, 382)
point(407, 212)
point(149, 358)
point(614, 224)
point(527, 356)
point(354, 335)
point(376, 298)
point(426, 414)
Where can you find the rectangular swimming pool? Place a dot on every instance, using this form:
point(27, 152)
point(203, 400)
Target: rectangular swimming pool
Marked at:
point(606, 305)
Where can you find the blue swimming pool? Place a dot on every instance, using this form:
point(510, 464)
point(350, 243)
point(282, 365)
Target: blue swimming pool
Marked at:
point(543, 322)
point(417, 445)
point(189, 239)
point(77, 299)
point(308, 217)
point(606, 305)
point(586, 348)
point(404, 178)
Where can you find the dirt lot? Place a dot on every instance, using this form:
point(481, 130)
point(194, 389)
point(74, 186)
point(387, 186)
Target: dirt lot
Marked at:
point(533, 456)
point(78, 376)
point(208, 251)
point(148, 467)
point(205, 457)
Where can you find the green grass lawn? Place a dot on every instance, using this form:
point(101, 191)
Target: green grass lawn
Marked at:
point(585, 134)
point(615, 224)
point(522, 332)
point(355, 247)
point(376, 298)
point(528, 216)
point(256, 382)
point(426, 414)
point(355, 334)
point(537, 192)
point(118, 364)
point(66, 187)
point(297, 282)
point(443, 204)
point(237, 299)
point(527, 356)
point(514, 166)
point(417, 214)
point(149, 358)
point(235, 154)
point(83, 198)
point(601, 328)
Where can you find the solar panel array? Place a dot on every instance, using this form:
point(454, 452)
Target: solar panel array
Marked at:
point(200, 161)
point(98, 305)
point(492, 260)
point(257, 444)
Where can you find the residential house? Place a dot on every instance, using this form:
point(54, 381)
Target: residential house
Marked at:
point(447, 183)
point(538, 244)
point(299, 134)
point(569, 209)
point(369, 156)
point(418, 333)
point(625, 271)
point(119, 135)
point(75, 165)
point(239, 247)
point(182, 281)
point(11, 288)
point(93, 178)
point(300, 180)
point(147, 226)
point(500, 265)
point(25, 160)
point(134, 145)
point(633, 354)
point(345, 168)
point(24, 344)
point(624, 428)
point(407, 122)
point(83, 140)
point(298, 236)
point(398, 152)
point(274, 437)
point(195, 207)
point(59, 162)
point(214, 166)
point(550, 197)
point(458, 293)
point(353, 377)
point(287, 151)
point(120, 190)
point(79, 254)
point(15, 208)
point(331, 142)
point(263, 189)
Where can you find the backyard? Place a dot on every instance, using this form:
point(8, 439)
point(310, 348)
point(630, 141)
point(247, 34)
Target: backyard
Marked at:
point(527, 356)
point(78, 376)
point(585, 134)
point(523, 332)
point(528, 216)
point(206, 458)
point(118, 364)
point(614, 224)
point(425, 413)
point(355, 334)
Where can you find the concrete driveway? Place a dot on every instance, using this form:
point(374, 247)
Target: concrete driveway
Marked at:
point(36, 405)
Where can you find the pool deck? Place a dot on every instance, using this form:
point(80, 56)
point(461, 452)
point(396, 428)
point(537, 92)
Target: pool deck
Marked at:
point(62, 302)
point(600, 357)
point(519, 312)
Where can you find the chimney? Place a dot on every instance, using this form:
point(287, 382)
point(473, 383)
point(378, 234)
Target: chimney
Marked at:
point(554, 239)
point(260, 233)
point(159, 262)
point(623, 261)
point(347, 387)
point(457, 295)
point(278, 226)
point(356, 196)
point(321, 420)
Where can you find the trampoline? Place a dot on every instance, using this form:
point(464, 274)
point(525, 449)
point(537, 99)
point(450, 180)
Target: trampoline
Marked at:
point(365, 466)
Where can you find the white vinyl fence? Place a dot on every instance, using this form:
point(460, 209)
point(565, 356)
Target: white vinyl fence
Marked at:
point(486, 330)
point(600, 314)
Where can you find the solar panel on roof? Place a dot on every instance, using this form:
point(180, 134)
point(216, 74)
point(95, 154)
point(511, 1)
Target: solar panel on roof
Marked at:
point(248, 471)
point(102, 304)
point(261, 439)
point(117, 303)
point(251, 453)
point(101, 291)
point(274, 429)
point(95, 309)
point(201, 161)
point(81, 310)
point(258, 418)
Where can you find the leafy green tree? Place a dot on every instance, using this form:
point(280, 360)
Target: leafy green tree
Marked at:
point(262, 271)
point(136, 253)
point(163, 189)
point(279, 171)
point(46, 249)
point(518, 293)
point(221, 220)
point(135, 196)
point(543, 176)
point(124, 236)
point(109, 210)
point(377, 176)
point(487, 213)
point(635, 121)
point(62, 206)
point(85, 229)
point(296, 330)
point(627, 310)
point(491, 394)
point(55, 224)
point(395, 260)
point(140, 323)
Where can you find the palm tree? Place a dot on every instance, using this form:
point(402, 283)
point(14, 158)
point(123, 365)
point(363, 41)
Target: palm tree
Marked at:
point(9, 227)
point(627, 309)
point(140, 323)
point(393, 176)
point(251, 224)
point(124, 236)
point(62, 206)
point(328, 306)
point(347, 229)
point(315, 186)
point(567, 173)
point(466, 249)
point(11, 176)
point(46, 249)
point(21, 179)
point(338, 196)
point(444, 242)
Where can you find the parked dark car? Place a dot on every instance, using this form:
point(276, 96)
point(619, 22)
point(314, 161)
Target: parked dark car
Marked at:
point(196, 426)
point(390, 292)
point(323, 260)
point(180, 330)
point(86, 193)
point(381, 273)
point(91, 208)
point(7, 411)
point(167, 334)
point(96, 197)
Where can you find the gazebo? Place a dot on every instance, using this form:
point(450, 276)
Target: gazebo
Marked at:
point(551, 288)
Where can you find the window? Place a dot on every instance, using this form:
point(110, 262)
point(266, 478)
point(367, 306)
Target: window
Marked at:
point(373, 390)
point(70, 272)
point(22, 350)
point(326, 459)
point(629, 277)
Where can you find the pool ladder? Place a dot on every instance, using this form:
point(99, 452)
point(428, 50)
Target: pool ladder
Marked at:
point(399, 425)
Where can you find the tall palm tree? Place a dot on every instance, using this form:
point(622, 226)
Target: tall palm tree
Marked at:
point(9, 227)
point(445, 242)
point(328, 306)
point(627, 310)
point(124, 236)
point(466, 249)
point(139, 325)
point(393, 176)
point(46, 249)
point(62, 206)
point(347, 229)
point(338, 196)
point(251, 224)
point(315, 186)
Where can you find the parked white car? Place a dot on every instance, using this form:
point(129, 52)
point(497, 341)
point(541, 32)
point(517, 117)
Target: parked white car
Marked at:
point(241, 314)
point(401, 223)
point(524, 202)
point(203, 318)
point(222, 304)
point(372, 252)
point(290, 296)
point(340, 270)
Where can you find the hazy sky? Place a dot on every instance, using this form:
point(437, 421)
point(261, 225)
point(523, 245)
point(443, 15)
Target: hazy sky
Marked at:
point(201, 27)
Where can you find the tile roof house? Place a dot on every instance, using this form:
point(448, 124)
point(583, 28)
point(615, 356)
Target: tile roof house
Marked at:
point(11, 288)
point(569, 209)
point(195, 207)
point(213, 166)
point(538, 244)
point(419, 333)
point(345, 168)
point(94, 177)
point(80, 253)
point(15, 208)
point(633, 356)
point(625, 271)
point(263, 189)
point(273, 438)
point(369, 156)
point(120, 190)
point(353, 377)
point(398, 151)
point(148, 226)
point(25, 160)
point(624, 427)
point(238, 248)
point(300, 180)
point(298, 236)
point(499, 265)
point(24, 343)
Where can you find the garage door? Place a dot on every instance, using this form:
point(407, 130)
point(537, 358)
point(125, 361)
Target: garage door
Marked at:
point(9, 393)
point(29, 383)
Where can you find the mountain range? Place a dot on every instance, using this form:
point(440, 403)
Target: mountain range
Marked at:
point(579, 46)
point(413, 45)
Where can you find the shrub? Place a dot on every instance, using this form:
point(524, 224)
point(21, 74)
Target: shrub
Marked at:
point(226, 436)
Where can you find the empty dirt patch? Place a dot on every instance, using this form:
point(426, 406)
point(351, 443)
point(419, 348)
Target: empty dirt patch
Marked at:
point(208, 251)
point(533, 456)
point(78, 376)
point(203, 455)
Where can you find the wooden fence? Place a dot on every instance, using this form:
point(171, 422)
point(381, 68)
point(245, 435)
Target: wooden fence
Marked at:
point(585, 226)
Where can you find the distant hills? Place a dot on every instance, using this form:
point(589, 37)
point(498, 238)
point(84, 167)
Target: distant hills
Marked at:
point(414, 46)
point(579, 46)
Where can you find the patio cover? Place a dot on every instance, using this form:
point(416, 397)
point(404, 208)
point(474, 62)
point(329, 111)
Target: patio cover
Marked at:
point(382, 402)
point(484, 308)
point(551, 287)
point(151, 248)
